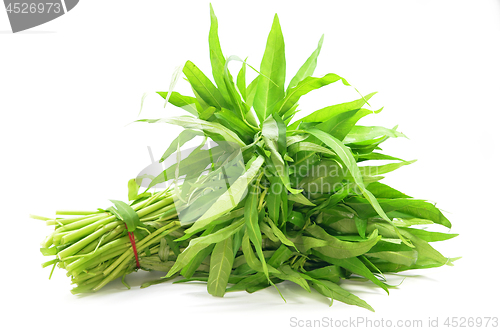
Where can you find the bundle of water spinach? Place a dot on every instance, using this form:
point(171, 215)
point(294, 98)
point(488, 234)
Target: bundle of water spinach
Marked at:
point(274, 196)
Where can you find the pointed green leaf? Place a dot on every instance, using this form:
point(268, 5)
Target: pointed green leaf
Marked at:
point(287, 273)
point(308, 146)
point(336, 292)
point(411, 207)
point(340, 249)
point(347, 158)
point(197, 244)
point(189, 270)
point(126, 214)
point(241, 81)
point(363, 134)
point(133, 189)
point(383, 191)
point(251, 90)
point(271, 135)
point(376, 156)
point(229, 199)
point(270, 91)
point(305, 86)
point(203, 86)
point(354, 265)
point(407, 258)
point(252, 223)
point(179, 141)
point(277, 232)
point(216, 57)
point(340, 125)
point(430, 236)
point(327, 113)
point(197, 124)
point(187, 103)
point(308, 67)
point(221, 263)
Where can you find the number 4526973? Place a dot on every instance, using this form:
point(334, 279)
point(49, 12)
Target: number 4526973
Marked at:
point(32, 8)
point(463, 322)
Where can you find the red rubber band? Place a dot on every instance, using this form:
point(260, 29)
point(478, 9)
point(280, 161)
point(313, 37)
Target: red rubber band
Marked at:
point(132, 241)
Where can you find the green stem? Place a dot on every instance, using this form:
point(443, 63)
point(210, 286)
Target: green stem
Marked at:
point(75, 212)
point(85, 241)
point(122, 262)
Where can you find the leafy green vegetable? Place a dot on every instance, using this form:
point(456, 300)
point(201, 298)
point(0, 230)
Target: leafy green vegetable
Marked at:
point(271, 200)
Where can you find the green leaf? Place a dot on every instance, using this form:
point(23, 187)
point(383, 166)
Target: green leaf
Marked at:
point(354, 265)
point(229, 199)
point(126, 214)
point(330, 272)
point(207, 113)
point(340, 249)
point(282, 147)
point(347, 158)
point(361, 224)
point(133, 189)
point(273, 198)
point(250, 258)
point(305, 86)
point(305, 243)
point(382, 191)
point(221, 263)
point(281, 255)
point(412, 207)
point(327, 113)
point(332, 290)
point(287, 273)
point(203, 86)
point(407, 258)
point(384, 246)
point(300, 198)
point(239, 107)
point(252, 224)
point(179, 141)
point(340, 125)
point(231, 120)
point(273, 65)
point(424, 249)
point(216, 57)
point(189, 270)
point(308, 67)
point(431, 236)
point(198, 244)
point(197, 124)
point(197, 159)
point(296, 218)
point(331, 202)
point(271, 135)
point(363, 135)
point(290, 140)
point(277, 232)
point(323, 177)
point(187, 103)
point(371, 171)
point(251, 90)
point(247, 282)
point(310, 147)
point(240, 81)
point(376, 156)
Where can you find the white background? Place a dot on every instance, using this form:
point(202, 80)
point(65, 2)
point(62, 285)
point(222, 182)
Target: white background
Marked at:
point(69, 88)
